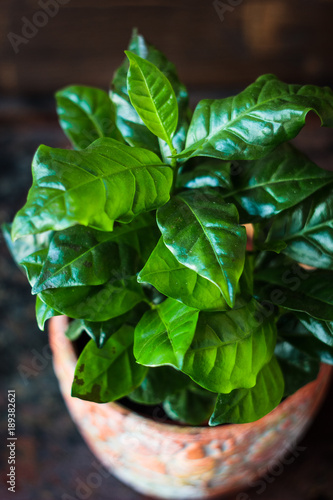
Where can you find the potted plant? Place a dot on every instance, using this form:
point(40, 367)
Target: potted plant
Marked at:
point(138, 235)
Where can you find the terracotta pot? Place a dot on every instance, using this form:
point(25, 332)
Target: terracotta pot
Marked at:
point(182, 462)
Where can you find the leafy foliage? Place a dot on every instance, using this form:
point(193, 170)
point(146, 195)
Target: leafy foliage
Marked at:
point(253, 123)
point(86, 114)
point(276, 182)
point(97, 369)
point(152, 96)
point(229, 349)
point(246, 405)
point(106, 182)
point(203, 234)
point(308, 234)
point(137, 235)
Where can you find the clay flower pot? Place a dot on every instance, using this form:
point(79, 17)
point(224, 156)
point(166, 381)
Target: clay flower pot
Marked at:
point(173, 461)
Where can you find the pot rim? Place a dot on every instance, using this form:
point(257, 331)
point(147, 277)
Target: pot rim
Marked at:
point(57, 328)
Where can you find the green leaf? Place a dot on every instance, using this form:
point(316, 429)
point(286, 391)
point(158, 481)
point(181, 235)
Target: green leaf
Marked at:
point(83, 256)
point(80, 257)
point(294, 301)
point(160, 382)
point(164, 334)
point(86, 114)
point(33, 264)
point(93, 303)
point(246, 282)
point(43, 313)
point(22, 248)
point(179, 137)
point(253, 123)
point(107, 181)
point(153, 97)
point(247, 405)
point(132, 127)
point(296, 334)
point(276, 182)
point(209, 173)
point(96, 303)
point(173, 279)
point(297, 367)
point(190, 405)
point(128, 120)
point(307, 229)
point(101, 331)
point(203, 233)
point(285, 284)
point(322, 330)
point(142, 234)
point(229, 348)
point(75, 329)
point(103, 375)
point(29, 253)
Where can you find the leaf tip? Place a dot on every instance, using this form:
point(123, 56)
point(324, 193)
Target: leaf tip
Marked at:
point(130, 55)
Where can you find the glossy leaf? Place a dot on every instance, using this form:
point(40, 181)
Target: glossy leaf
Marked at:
point(173, 279)
point(128, 120)
point(297, 367)
point(203, 234)
point(153, 97)
point(322, 330)
point(142, 234)
point(294, 301)
point(75, 329)
point(22, 248)
point(247, 405)
point(246, 281)
point(101, 331)
point(107, 181)
point(93, 303)
point(154, 296)
point(276, 182)
point(83, 256)
point(251, 124)
point(86, 114)
point(79, 258)
point(164, 334)
point(295, 333)
point(96, 303)
point(30, 253)
point(307, 230)
point(103, 375)
point(132, 127)
point(209, 173)
point(191, 405)
point(33, 264)
point(160, 382)
point(229, 348)
point(43, 313)
point(179, 137)
point(287, 285)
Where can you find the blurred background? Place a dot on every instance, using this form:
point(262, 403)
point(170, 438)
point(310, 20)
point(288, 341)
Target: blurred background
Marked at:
point(219, 47)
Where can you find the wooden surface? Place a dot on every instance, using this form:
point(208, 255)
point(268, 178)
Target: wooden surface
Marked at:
point(213, 44)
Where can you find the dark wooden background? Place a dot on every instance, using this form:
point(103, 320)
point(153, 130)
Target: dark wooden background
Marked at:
point(84, 41)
